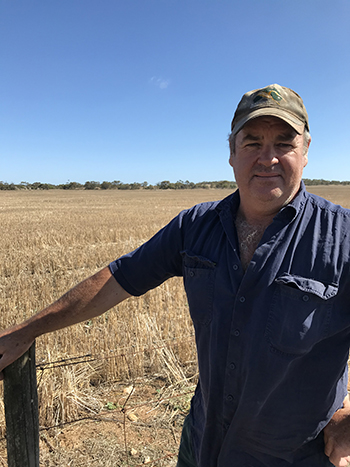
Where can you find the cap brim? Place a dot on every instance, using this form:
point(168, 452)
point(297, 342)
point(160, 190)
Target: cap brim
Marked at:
point(295, 123)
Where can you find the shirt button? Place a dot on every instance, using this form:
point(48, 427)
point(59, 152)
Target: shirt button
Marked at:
point(235, 267)
point(230, 397)
point(191, 273)
point(232, 366)
point(305, 298)
point(242, 299)
point(236, 333)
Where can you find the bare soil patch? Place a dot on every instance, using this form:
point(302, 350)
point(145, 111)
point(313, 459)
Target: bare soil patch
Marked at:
point(139, 425)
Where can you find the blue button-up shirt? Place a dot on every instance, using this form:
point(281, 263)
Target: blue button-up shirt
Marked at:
point(273, 341)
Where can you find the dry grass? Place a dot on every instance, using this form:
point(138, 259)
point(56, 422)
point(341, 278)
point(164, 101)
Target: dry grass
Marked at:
point(336, 193)
point(52, 240)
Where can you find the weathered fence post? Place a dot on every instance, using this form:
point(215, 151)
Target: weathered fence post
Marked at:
point(21, 411)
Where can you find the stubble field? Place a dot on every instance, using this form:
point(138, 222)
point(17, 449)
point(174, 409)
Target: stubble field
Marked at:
point(129, 373)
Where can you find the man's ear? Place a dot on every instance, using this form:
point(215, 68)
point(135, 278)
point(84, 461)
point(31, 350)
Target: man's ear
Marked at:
point(306, 153)
point(230, 161)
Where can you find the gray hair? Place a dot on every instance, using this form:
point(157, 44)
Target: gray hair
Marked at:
point(232, 142)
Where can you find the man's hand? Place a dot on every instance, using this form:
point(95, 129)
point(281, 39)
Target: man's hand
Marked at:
point(14, 342)
point(337, 436)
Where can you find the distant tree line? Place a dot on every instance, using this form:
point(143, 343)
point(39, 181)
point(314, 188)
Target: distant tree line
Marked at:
point(317, 181)
point(164, 185)
point(117, 185)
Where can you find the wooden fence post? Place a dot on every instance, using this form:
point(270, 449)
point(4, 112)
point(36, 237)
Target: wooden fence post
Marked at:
point(21, 411)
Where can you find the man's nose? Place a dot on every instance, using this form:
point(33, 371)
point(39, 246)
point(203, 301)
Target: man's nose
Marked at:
point(267, 155)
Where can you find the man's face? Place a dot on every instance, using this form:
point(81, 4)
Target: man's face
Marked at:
point(268, 163)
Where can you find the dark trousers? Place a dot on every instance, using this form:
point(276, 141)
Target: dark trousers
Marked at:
point(186, 456)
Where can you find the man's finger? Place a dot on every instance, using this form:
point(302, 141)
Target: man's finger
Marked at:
point(344, 461)
point(4, 362)
point(338, 460)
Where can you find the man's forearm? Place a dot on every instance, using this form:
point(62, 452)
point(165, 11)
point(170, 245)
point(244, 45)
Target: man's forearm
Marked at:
point(90, 298)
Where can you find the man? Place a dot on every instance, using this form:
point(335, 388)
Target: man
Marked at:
point(266, 273)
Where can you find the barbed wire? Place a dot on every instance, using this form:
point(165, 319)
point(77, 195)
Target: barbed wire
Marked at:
point(89, 357)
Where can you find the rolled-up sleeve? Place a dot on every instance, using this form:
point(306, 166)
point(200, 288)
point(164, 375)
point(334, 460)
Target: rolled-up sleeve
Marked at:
point(153, 262)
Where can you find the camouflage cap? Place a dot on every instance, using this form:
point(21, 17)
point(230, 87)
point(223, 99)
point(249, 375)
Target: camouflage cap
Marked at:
point(274, 100)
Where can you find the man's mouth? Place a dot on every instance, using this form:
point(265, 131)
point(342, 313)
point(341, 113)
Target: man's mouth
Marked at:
point(267, 175)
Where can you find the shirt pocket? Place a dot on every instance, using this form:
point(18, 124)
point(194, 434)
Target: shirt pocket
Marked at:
point(300, 314)
point(199, 277)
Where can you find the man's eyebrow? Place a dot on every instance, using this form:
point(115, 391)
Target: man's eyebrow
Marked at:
point(249, 137)
point(287, 136)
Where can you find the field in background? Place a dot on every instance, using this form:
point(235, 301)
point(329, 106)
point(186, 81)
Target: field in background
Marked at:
point(335, 193)
point(50, 240)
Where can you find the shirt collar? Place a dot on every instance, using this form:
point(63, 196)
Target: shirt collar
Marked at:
point(290, 211)
point(229, 205)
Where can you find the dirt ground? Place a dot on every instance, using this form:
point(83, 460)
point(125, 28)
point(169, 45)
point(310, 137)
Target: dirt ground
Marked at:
point(138, 425)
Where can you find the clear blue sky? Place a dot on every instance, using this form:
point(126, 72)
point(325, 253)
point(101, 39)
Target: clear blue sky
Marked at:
point(145, 90)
